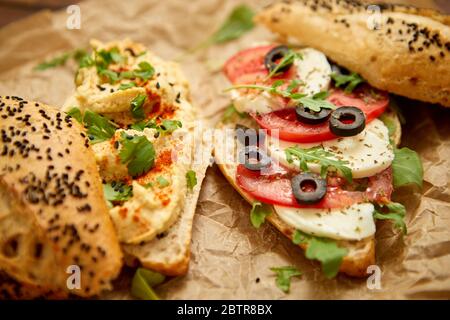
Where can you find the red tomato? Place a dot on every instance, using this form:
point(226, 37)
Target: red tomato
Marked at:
point(372, 103)
point(247, 67)
point(274, 187)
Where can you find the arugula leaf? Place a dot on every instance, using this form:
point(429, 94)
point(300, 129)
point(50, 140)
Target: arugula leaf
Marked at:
point(162, 182)
point(99, 128)
point(258, 214)
point(145, 71)
point(55, 62)
point(317, 102)
point(76, 114)
point(124, 86)
point(395, 212)
point(137, 153)
point(350, 81)
point(238, 22)
point(287, 60)
point(136, 107)
point(320, 156)
point(391, 126)
point(142, 283)
point(284, 275)
point(117, 191)
point(407, 168)
point(322, 249)
point(191, 179)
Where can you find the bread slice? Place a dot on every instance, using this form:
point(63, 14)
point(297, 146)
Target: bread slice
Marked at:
point(403, 56)
point(52, 211)
point(169, 253)
point(361, 254)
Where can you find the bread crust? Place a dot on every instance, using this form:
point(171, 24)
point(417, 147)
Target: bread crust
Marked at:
point(408, 55)
point(52, 211)
point(361, 254)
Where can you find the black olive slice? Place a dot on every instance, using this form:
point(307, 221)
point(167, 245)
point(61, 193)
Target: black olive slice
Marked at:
point(254, 159)
point(274, 56)
point(248, 136)
point(347, 121)
point(308, 116)
point(308, 188)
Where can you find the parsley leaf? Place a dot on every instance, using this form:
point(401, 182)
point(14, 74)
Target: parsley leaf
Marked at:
point(191, 179)
point(137, 153)
point(350, 81)
point(124, 86)
point(322, 249)
point(162, 182)
point(117, 191)
point(258, 214)
point(142, 283)
point(229, 113)
point(99, 128)
point(109, 74)
point(287, 60)
point(392, 211)
point(136, 107)
point(55, 62)
point(76, 114)
point(140, 126)
point(407, 168)
point(145, 71)
point(284, 275)
point(319, 156)
point(169, 126)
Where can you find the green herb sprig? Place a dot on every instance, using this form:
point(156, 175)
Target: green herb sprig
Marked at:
point(319, 156)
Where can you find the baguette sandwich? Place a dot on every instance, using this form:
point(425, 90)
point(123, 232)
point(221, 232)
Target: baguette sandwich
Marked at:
point(313, 140)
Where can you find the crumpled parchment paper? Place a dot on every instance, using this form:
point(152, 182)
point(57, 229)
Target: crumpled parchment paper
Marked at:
point(230, 259)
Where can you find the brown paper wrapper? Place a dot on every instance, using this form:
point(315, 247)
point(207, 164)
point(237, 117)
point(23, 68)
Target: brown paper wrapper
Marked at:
point(230, 259)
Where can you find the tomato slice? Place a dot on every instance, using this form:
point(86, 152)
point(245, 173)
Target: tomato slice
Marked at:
point(274, 187)
point(284, 122)
point(247, 67)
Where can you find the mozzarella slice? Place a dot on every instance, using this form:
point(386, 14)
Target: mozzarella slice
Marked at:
point(367, 153)
point(353, 223)
point(313, 70)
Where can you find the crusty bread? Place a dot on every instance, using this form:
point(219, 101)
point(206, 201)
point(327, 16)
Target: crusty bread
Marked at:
point(52, 211)
point(361, 254)
point(169, 253)
point(408, 55)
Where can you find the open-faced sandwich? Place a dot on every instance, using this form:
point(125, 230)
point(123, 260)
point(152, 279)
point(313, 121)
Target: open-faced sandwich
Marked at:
point(116, 173)
point(140, 122)
point(312, 144)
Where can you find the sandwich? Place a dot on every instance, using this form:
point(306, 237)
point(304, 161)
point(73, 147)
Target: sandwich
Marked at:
point(112, 177)
point(150, 149)
point(312, 137)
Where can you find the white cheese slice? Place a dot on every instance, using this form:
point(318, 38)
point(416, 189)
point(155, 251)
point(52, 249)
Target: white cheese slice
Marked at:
point(313, 70)
point(367, 153)
point(352, 223)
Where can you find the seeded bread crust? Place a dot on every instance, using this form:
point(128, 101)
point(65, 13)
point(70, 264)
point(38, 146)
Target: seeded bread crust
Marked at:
point(408, 55)
point(361, 254)
point(52, 211)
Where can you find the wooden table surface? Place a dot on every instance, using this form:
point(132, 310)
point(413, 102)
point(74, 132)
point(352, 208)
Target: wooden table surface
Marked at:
point(12, 10)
